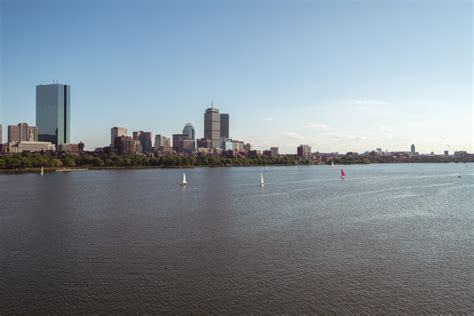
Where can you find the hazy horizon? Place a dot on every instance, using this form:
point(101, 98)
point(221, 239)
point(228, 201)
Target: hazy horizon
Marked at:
point(339, 76)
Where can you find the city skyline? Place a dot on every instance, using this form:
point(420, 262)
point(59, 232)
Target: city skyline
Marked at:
point(367, 81)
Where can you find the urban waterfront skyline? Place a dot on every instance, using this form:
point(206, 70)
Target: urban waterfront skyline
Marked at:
point(338, 77)
point(54, 99)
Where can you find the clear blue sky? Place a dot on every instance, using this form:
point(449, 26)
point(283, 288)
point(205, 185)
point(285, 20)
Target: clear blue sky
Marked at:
point(338, 75)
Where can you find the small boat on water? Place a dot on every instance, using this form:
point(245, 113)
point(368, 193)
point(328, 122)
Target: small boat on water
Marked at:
point(184, 182)
point(262, 183)
point(332, 164)
point(343, 174)
point(42, 171)
point(266, 168)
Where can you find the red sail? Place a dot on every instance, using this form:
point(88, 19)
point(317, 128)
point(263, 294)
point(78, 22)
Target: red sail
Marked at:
point(342, 172)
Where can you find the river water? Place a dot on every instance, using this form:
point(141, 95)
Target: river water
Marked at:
point(390, 238)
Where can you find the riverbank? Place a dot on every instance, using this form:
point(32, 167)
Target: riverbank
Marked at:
point(92, 168)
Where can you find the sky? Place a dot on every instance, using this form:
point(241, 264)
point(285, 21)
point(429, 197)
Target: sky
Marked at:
point(337, 75)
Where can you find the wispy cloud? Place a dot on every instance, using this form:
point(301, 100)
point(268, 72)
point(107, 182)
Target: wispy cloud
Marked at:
point(347, 137)
point(268, 119)
point(294, 135)
point(370, 102)
point(321, 126)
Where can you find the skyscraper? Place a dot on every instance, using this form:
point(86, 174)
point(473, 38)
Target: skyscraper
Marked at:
point(53, 113)
point(22, 133)
point(116, 132)
point(212, 126)
point(224, 125)
point(189, 131)
point(412, 149)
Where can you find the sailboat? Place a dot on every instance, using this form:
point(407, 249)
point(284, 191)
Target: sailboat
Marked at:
point(42, 171)
point(262, 183)
point(184, 182)
point(266, 168)
point(332, 164)
point(342, 174)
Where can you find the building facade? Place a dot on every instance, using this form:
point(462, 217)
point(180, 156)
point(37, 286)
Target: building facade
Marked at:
point(303, 152)
point(127, 145)
point(22, 132)
point(116, 132)
point(412, 149)
point(162, 143)
point(189, 131)
point(28, 146)
point(212, 126)
point(203, 143)
point(53, 113)
point(274, 151)
point(224, 126)
point(145, 139)
point(178, 142)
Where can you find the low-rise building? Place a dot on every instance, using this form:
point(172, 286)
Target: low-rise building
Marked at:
point(303, 152)
point(127, 145)
point(204, 143)
point(18, 147)
point(71, 148)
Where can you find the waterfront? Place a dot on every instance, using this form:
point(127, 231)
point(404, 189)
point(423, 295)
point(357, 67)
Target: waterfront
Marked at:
point(390, 239)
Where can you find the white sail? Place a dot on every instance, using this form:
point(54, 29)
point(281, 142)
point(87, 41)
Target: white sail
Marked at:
point(332, 164)
point(261, 180)
point(184, 179)
point(42, 171)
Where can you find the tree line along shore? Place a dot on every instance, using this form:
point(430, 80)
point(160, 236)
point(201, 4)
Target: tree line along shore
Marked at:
point(33, 161)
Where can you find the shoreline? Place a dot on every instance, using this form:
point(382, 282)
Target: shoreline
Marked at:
point(91, 168)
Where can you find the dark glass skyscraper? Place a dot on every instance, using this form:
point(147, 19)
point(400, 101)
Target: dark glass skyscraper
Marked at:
point(53, 113)
point(224, 125)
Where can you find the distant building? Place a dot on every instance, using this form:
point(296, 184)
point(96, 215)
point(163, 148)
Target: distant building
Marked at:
point(30, 146)
point(145, 139)
point(212, 126)
point(227, 144)
point(460, 154)
point(161, 142)
point(413, 151)
point(71, 148)
point(127, 145)
point(1, 134)
point(53, 113)
point(204, 143)
point(22, 132)
point(224, 125)
point(178, 142)
point(116, 132)
point(238, 145)
point(274, 151)
point(303, 152)
point(189, 131)
point(188, 145)
point(248, 147)
point(446, 152)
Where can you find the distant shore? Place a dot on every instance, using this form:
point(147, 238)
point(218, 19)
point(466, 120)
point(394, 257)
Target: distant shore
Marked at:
point(92, 168)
